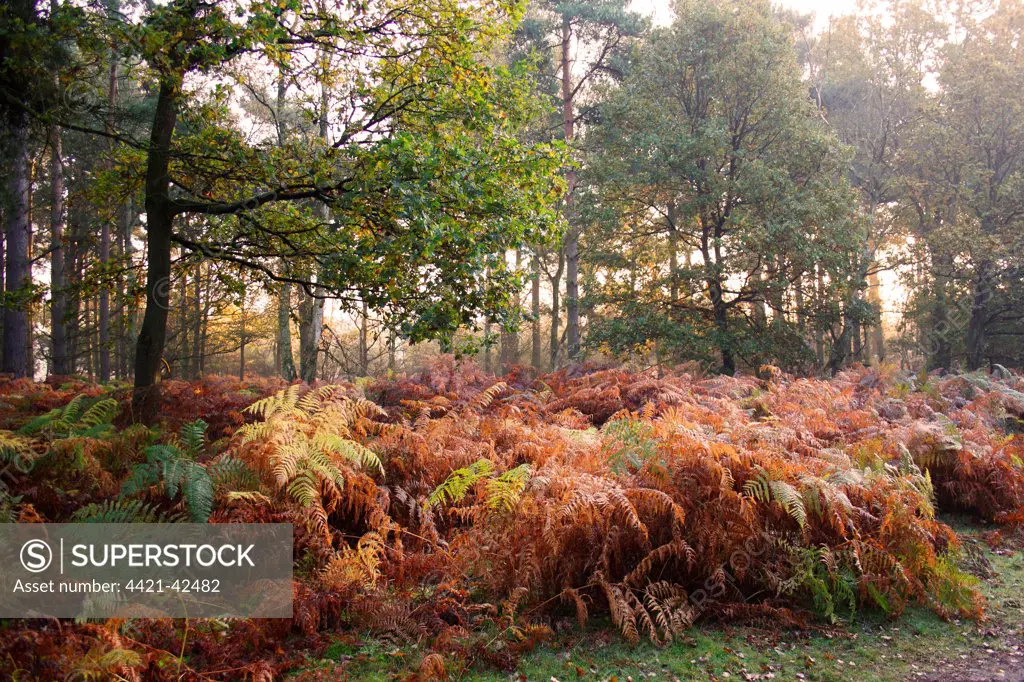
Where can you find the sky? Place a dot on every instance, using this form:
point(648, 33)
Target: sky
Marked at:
point(822, 9)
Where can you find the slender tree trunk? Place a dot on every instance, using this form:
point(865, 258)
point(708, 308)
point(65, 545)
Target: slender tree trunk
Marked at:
point(510, 338)
point(364, 341)
point(535, 355)
point(129, 311)
point(241, 348)
point(673, 257)
point(104, 321)
point(72, 270)
point(311, 318)
point(203, 327)
point(159, 228)
point(572, 245)
point(798, 300)
point(89, 327)
point(59, 364)
point(284, 332)
point(721, 315)
point(197, 330)
point(183, 328)
point(716, 292)
point(877, 331)
point(3, 267)
point(18, 235)
point(311, 311)
point(819, 298)
point(556, 283)
point(488, 361)
point(938, 344)
point(855, 333)
point(392, 351)
point(977, 327)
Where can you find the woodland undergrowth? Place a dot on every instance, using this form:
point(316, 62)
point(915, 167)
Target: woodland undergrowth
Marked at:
point(479, 515)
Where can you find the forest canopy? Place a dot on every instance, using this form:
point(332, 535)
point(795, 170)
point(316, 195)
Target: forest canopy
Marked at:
point(203, 186)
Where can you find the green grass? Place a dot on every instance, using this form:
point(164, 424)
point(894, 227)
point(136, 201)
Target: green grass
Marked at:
point(917, 644)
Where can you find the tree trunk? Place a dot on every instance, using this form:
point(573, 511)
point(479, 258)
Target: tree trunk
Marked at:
point(556, 283)
point(18, 235)
point(159, 227)
point(3, 267)
point(197, 330)
point(311, 319)
point(938, 344)
point(72, 271)
point(104, 321)
point(510, 338)
point(241, 343)
point(721, 315)
point(488, 363)
point(129, 313)
point(311, 310)
point(877, 331)
point(855, 333)
point(673, 257)
point(535, 355)
point(977, 327)
point(711, 240)
point(572, 246)
point(59, 364)
point(284, 332)
point(509, 350)
point(182, 336)
point(364, 341)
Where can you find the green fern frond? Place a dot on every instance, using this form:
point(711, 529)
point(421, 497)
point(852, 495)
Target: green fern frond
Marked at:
point(232, 474)
point(100, 413)
point(503, 492)
point(765, 490)
point(74, 419)
point(180, 476)
point(459, 482)
point(193, 437)
point(123, 511)
point(349, 449)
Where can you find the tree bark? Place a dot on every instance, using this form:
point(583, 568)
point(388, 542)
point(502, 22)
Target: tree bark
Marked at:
point(104, 321)
point(197, 330)
point(877, 331)
point(673, 256)
point(535, 355)
point(364, 341)
point(241, 342)
point(311, 320)
point(159, 227)
point(311, 311)
point(284, 332)
point(977, 327)
point(938, 344)
point(556, 283)
point(510, 338)
point(18, 234)
point(572, 245)
point(59, 361)
point(129, 322)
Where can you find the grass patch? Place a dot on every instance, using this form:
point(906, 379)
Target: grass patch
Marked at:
point(917, 645)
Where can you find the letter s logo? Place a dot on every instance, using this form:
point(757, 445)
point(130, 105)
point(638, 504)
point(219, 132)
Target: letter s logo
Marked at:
point(36, 556)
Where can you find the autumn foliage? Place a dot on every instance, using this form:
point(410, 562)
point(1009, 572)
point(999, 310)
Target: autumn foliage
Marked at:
point(426, 507)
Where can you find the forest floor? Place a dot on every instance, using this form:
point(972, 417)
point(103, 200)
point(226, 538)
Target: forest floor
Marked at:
point(916, 646)
point(456, 526)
